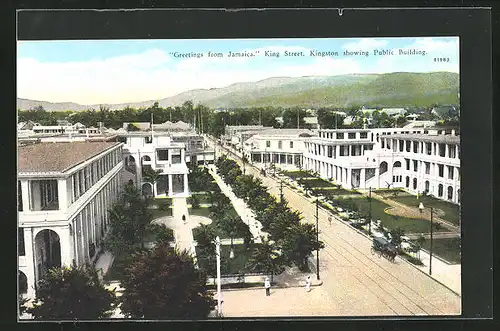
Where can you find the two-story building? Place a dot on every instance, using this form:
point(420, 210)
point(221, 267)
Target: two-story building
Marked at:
point(156, 151)
point(64, 192)
point(282, 147)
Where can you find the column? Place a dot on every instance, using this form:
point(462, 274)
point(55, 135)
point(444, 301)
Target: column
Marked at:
point(183, 155)
point(170, 188)
point(362, 178)
point(349, 175)
point(446, 150)
point(28, 254)
point(186, 190)
point(66, 242)
point(62, 194)
point(25, 195)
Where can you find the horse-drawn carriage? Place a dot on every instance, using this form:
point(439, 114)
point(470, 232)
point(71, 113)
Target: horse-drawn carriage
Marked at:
point(382, 247)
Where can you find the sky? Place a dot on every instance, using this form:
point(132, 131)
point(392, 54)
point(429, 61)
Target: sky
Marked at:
point(120, 71)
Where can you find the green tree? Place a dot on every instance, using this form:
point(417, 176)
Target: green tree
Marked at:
point(152, 176)
point(230, 226)
point(290, 117)
point(299, 244)
point(396, 235)
point(72, 293)
point(266, 257)
point(164, 284)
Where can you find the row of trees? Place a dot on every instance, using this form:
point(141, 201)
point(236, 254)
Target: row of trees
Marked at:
point(293, 239)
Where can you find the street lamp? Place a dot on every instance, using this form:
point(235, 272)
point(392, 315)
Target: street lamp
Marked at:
point(421, 207)
point(317, 237)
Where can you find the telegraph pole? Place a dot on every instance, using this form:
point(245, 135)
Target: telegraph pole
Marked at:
point(370, 212)
point(317, 238)
point(217, 252)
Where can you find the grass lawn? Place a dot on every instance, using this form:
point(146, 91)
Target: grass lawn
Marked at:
point(336, 191)
point(202, 198)
point(297, 174)
point(410, 225)
point(231, 266)
point(317, 182)
point(446, 248)
point(205, 211)
point(451, 211)
point(161, 213)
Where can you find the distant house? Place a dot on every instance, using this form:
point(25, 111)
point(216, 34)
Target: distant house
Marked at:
point(172, 126)
point(445, 111)
point(141, 126)
point(394, 111)
point(412, 117)
point(26, 125)
point(311, 122)
point(63, 123)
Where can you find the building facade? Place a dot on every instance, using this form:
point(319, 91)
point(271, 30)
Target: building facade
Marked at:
point(417, 159)
point(64, 192)
point(282, 148)
point(159, 152)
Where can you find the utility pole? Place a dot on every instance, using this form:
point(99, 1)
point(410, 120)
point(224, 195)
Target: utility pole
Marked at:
point(370, 212)
point(430, 255)
point(217, 252)
point(317, 238)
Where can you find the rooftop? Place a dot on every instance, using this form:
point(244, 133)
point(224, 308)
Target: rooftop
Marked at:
point(58, 156)
point(285, 132)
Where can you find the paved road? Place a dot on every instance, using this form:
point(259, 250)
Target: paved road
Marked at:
point(362, 284)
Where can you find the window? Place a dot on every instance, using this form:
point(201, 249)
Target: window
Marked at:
point(383, 143)
point(450, 172)
point(351, 135)
point(407, 161)
point(19, 197)
point(162, 154)
point(407, 181)
point(427, 168)
point(441, 170)
point(440, 190)
point(291, 144)
point(442, 150)
point(415, 165)
point(450, 193)
point(414, 183)
point(20, 242)
point(407, 145)
point(268, 143)
point(415, 147)
point(148, 140)
point(340, 135)
point(453, 153)
point(428, 147)
point(363, 135)
point(280, 144)
point(330, 151)
point(401, 147)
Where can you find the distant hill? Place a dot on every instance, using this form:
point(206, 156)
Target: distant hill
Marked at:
point(384, 90)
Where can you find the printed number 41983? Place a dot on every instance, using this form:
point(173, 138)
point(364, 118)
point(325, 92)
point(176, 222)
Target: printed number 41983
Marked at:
point(441, 59)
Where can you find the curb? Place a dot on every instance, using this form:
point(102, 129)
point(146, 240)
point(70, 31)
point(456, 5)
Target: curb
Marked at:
point(260, 288)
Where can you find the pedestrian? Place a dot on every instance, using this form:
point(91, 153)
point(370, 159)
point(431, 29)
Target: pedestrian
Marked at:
point(184, 218)
point(267, 285)
point(308, 284)
point(330, 220)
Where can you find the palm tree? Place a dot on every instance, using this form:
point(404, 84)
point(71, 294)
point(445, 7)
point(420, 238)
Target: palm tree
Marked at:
point(265, 257)
point(151, 176)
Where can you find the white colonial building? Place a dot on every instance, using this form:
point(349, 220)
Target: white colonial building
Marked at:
point(156, 151)
point(282, 147)
point(417, 159)
point(64, 192)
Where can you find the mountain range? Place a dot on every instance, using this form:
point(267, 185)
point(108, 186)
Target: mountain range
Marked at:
point(398, 89)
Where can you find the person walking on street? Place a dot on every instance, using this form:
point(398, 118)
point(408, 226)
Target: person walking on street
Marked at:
point(330, 220)
point(184, 218)
point(308, 284)
point(267, 285)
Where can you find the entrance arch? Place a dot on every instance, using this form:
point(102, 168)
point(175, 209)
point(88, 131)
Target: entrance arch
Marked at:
point(147, 189)
point(23, 282)
point(47, 252)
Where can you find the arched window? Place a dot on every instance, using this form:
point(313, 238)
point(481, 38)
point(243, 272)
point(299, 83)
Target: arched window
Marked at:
point(407, 181)
point(450, 193)
point(414, 183)
point(440, 190)
point(383, 167)
point(23, 283)
point(427, 184)
point(396, 164)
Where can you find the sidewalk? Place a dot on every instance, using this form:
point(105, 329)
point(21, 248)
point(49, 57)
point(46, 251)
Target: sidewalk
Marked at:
point(247, 215)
